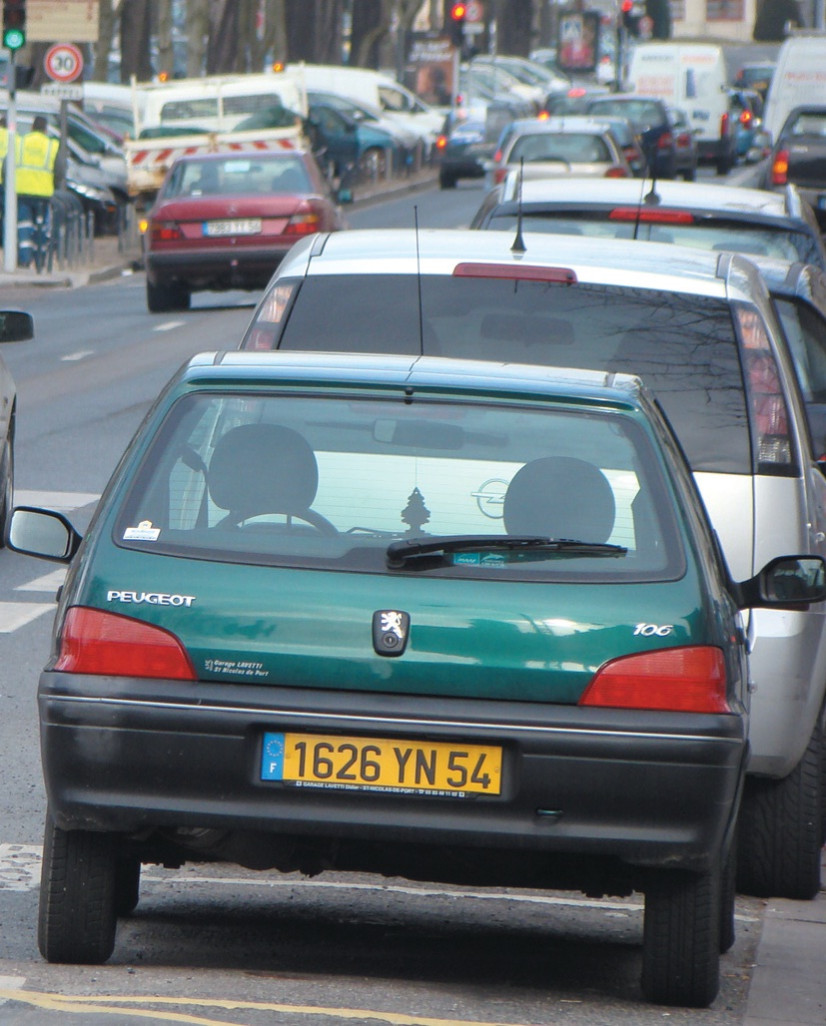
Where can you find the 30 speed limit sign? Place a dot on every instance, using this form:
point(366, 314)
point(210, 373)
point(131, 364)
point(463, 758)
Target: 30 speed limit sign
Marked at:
point(63, 62)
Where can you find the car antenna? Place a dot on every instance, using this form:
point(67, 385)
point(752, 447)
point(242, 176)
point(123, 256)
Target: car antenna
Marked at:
point(652, 197)
point(419, 280)
point(519, 243)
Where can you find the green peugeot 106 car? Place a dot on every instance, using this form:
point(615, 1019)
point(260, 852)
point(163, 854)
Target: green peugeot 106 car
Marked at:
point(455, 621)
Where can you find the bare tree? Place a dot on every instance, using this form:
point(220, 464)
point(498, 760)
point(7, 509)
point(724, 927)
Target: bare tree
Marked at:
point(166, 57)
point(514, 23)
point(135, 30)
point(106, 30)
point(197, 33)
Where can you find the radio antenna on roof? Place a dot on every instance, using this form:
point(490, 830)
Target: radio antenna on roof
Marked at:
point(419, 280)
point(519, 243)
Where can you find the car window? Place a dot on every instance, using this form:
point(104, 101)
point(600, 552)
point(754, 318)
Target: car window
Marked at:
point(684, 347)
point(806, 334)
point(643, 113)
point(573, 147)
point(707, 234)
point(238, 176)
point(341, 478)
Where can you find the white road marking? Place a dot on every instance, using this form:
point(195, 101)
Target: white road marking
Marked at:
point(60, 501)
point(81, 354)
point(48, 582)
point(24, 868)
point(169, 325)
point(14, 615)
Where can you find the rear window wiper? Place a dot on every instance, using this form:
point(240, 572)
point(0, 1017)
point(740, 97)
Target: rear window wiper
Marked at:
point(400, 553)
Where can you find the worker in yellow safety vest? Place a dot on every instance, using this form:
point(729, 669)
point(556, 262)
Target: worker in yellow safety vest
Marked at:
point(36, 156)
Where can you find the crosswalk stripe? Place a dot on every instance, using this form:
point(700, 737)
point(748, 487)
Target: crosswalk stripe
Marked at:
point(14, 615)
point(48, 582)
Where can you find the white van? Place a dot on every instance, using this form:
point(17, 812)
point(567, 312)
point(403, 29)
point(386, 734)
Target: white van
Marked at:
point(691, 76)
point(215, 103)
point(373, 88)
point(799, 78)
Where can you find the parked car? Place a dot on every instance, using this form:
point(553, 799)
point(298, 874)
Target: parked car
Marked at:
point(571, 145)
point(651, 119)
point(15, 326)
point(798, 157)
point(414, 144)
point(600, 720)
point(686, 150)
point(348, 146)
point(708, 216)
point(700, 328)
point(225, 220)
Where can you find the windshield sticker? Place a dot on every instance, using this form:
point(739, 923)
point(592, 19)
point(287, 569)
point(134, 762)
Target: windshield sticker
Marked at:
point(143, 532)
point(235, 669)
point(152, 598)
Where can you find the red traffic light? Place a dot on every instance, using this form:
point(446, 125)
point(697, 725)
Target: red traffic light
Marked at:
point(627, 6)
point(458, 12)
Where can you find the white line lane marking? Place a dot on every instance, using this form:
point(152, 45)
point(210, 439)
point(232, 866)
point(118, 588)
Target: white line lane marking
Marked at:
point(169, 325)
point(81, 354)
point(14, 615)
point(48, 582)
point(25, 866)
point(61, 501)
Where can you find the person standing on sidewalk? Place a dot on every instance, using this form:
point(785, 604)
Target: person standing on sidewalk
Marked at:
point(34, 184)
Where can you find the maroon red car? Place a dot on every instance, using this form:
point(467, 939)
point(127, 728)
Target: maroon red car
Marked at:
point(225, 221)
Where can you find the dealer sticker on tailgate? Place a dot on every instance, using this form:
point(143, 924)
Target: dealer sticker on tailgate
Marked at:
point(405, 767)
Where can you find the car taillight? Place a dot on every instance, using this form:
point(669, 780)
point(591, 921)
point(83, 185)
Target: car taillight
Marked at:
point(724, 124)
point(499, 175)
point(665, 141)
point(164, 231)
point(497, 157)
point(780, 168)
point(616, 172)
point(691, 679)
point(303, 224)
point(769, 413)
point(746, 117)
point(441, 142)
point(651, 215)
point(98, 642)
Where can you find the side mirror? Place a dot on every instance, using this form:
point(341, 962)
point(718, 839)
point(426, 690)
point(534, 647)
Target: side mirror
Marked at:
point(16, 326)
point(42, 533)
point(787, 582)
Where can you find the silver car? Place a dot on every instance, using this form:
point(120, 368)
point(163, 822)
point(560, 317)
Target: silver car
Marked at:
point(701, 329)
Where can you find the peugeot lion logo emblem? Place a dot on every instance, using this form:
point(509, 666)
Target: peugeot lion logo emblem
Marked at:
point(390, 630)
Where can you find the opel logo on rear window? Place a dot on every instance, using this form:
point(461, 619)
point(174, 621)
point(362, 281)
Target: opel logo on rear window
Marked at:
point(390, 630)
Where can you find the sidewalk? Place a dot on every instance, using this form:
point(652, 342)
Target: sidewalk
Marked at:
point(788, 986)
point(109, 257)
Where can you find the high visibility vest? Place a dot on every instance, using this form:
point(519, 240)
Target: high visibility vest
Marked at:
point(36, 155)
point(4, 149)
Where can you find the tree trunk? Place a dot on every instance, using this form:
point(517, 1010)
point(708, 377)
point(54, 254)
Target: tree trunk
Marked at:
point(222, 48)
point(514, 26)
point(197, 32)
point(371, 22)
point(134, 40)
point(106, 29)
point(166, 58)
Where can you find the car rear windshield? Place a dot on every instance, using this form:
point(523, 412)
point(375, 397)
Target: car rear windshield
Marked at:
point(330, 482)
point(238, 176)
point(569, 147)
point(643, 113)
point(707, 233)
point(683, 346)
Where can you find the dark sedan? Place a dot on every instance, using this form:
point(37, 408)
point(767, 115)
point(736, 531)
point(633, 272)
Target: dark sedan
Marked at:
point(799, 157)
point(225, 220)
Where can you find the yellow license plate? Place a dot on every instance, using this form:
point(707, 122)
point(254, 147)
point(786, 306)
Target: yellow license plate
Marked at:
point(404, 767)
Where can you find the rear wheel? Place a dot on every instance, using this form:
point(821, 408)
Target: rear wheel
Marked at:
point(681, 938)
point(728, 896)
point(77, 915)
point(446, 181)
point(127, 885)
point(373, 163)
point(781, 830)
point(166, 298)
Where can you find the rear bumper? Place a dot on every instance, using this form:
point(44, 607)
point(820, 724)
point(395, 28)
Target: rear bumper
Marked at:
point(204, 269)
point(645, 789)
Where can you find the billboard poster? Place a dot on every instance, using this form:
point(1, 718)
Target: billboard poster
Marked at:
point(431, 70)
point(577, 40)
point(724, 10)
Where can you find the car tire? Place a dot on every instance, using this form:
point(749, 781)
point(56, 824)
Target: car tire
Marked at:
point(77, 915)
point(728, 897)
point(681, 938)
point(446, 181)
point(781, 830)
point(166, 298)
point(7, 498)
point(127, 885)
point(690, 174)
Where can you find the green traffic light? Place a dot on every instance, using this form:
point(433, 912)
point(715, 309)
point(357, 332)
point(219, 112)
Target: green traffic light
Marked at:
point(14, 39)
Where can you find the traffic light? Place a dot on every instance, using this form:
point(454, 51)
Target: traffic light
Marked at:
point(14, 24)
point(458, 12)
point(630, 18)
